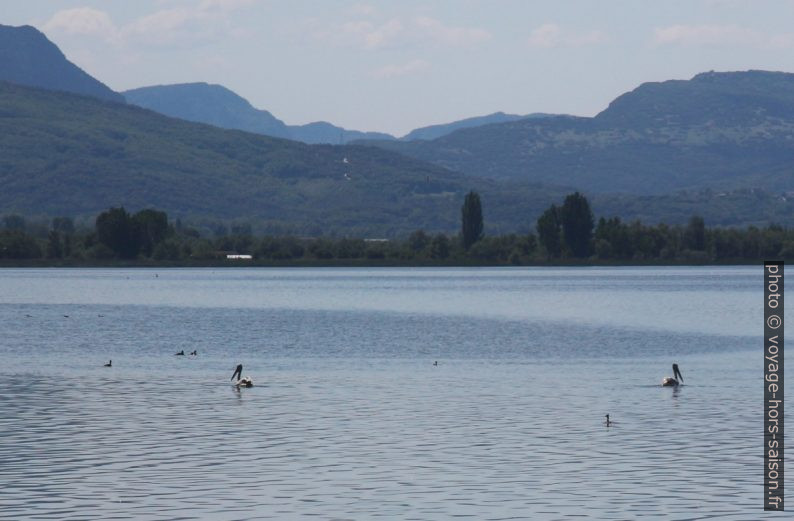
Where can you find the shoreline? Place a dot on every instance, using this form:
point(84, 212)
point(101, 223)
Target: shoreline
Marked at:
point(363, 263)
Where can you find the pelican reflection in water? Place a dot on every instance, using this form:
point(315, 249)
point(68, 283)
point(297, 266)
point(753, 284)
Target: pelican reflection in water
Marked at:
point(243, 381)
point(673, 381)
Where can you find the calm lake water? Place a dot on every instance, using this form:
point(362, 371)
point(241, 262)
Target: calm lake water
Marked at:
point(350, 419)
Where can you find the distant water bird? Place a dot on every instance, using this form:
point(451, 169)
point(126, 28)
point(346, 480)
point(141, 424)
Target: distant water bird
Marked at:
point(670, 381)
point(29, 316)
point(194, 353)
point(243, 381)
point(435, 363)
point(66, 316)
point(609, 423)
point(100, 316)
point(181, 353)
point(345, 161)
point(109, 364)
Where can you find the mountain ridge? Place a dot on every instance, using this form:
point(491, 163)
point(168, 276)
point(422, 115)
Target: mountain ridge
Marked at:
point(723, 131)
point(207, 103)
point(217, 105)
point(28, 57)
point(63, 154)
point(66, 154)
point(220, 106)
point(431, 132)
point(76, 148)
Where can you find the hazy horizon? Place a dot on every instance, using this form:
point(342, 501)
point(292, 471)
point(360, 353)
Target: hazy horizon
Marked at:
point(393, 67)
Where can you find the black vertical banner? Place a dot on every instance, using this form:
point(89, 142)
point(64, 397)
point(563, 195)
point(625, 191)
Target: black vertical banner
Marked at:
point(773, 385)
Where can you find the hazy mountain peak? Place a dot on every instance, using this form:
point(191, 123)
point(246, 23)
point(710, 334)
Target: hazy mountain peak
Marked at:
point(207, 103)
point(723, 131)
point(709, 97)
point(27, 57)
point(436, 131)
point(219, 106)
point(207, 91)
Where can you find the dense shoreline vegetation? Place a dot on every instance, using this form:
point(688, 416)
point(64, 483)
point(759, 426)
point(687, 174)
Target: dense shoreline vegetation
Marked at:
point(566, 235)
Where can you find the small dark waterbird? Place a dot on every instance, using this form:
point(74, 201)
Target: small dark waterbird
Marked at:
point(609, 422)
point(243, 381)
point(181, 353)
point(109, 364)
point(194, 353)
point(673, 381)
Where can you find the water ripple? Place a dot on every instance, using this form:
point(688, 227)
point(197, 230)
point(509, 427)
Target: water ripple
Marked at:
point(349, 419)
point(408, 443)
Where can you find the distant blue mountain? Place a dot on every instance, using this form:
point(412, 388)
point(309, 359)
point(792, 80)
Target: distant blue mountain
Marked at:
point(27, 57)
point(212, 104)
point(324, 132)
point(219, 106)
point(719, 130)
point(437, 131)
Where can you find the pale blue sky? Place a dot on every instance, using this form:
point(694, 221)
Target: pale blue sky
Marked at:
point(396, 65)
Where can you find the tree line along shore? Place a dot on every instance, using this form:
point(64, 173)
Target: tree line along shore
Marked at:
point(565, 234)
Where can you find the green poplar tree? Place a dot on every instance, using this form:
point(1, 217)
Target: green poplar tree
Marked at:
point(471, 217)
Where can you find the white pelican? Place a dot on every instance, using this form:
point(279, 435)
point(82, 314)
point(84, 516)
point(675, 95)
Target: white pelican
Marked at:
point(243, 381)
point(670, 381)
